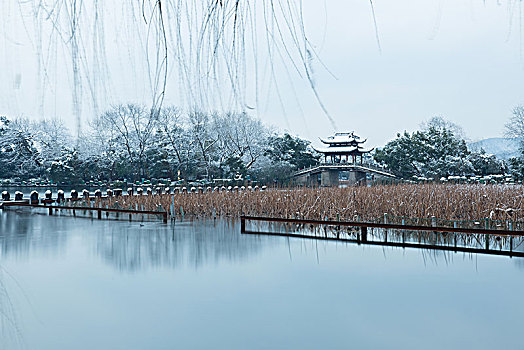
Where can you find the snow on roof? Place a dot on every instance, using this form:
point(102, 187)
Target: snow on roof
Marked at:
point(341, 149)
point(342, 137)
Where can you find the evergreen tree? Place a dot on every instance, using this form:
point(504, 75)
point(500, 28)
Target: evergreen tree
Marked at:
point(436, 151)
point(18, 155)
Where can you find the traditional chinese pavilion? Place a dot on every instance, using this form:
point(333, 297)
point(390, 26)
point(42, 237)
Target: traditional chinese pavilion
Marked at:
point(343, 147)
point(341, 152)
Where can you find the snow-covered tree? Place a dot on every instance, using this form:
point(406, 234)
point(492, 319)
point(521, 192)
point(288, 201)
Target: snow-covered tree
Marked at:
point(240, 139)
point(172, 143)
point(18, 155)
point(202, 142)
point(515, 125)
point(436, 151)
point(130, 129)
point(486, 164)
point(286, 154)
point(51, 136)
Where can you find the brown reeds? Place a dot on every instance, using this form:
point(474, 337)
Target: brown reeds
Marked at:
point(443, 201)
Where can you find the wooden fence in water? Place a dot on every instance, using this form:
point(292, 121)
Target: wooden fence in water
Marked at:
point(98, 210)
point(473, 240)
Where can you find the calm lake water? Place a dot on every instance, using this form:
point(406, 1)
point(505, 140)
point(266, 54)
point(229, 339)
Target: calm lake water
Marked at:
point(75, 283)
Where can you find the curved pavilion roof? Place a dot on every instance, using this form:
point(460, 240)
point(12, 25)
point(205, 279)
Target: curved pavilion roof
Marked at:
point(343, 138)
point(342, 150)
point(343, 143)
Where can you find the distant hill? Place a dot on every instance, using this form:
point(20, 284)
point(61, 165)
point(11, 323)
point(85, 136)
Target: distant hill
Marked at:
point(503, 148)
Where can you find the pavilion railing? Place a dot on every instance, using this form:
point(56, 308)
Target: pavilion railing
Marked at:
point(364, 165)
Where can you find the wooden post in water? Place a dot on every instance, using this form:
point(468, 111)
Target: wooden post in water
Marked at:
point(487, 242)
point(364, 233)
point(455, 234)
point(242, 224)
point(436, 236)
point(385, 230)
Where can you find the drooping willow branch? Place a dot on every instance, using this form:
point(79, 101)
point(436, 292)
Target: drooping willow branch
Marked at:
point(216, 51)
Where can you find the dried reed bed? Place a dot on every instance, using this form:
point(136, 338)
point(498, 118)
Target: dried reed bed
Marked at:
point(444, 201)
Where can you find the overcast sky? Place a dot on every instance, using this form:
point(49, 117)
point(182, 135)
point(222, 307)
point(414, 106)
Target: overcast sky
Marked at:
point(458, 59)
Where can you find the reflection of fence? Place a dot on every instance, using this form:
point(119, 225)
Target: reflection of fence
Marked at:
point(473, 240)
point(98, 210)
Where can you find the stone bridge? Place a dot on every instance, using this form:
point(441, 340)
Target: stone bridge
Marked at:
point(329, 174)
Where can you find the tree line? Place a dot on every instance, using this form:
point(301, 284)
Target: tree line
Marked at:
point(131, 142)
point(439, 149)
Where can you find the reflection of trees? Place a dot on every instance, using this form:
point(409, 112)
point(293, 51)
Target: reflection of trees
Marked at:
point(520, 263)
point(21, 233)
point(189, 243)
point(128, 246)
point(135, 246)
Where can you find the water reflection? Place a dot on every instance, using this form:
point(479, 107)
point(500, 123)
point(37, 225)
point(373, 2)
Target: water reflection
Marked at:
point(128, 246)
point(137, 246)
point(473, 243)
point(97, 284)
point(10, 332)
point(22, 234)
